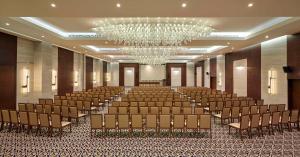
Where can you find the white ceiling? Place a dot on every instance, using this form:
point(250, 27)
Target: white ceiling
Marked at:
point(236, 26)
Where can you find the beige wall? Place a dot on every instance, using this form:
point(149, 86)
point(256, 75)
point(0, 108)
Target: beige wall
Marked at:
point(221, 72)
point(78, 68)
point(190, 80)
point(274, 56)
point(206, 77)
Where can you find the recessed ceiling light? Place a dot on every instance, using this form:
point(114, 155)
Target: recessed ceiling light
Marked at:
point(53, 5)
point(232, 48)
point(228, 43)
point(74, 47)
point(118, 5)
point(43, 36)
point(250, 5)
point(7, 24)
point(183, 5)
point(266, 36)
point(106, 42)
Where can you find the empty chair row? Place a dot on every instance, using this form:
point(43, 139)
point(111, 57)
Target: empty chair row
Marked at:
point(154, 110)
point(151, 103)
point(151, 122)
point(230, 103)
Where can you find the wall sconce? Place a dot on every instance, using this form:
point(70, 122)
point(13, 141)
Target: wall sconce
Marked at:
point(94, 77)
point(54, 80)
point(272, 81)
point(76, 79)
point(108, 77)
point(26, 81)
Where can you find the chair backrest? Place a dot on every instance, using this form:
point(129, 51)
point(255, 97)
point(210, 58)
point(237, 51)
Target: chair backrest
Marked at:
point(187, 110)
point(64, 103)
point(220, 105)
point(42, 101)
point(14, 117)
point(24, 118)
point(175, 110)
point(236, 103)
point(154, 110)
point(178, 121)
point(56, 121)
point(245, 110)
point(245, 122)
point(48, 109)
point(116, 103)
point(30, 107)
point(275, 117)
point(273, 108)
point(177, 103)
point(165, 121)
point(150, 104)
point(205, 121)
point(228, 103)
point(112, 110)
point(22, 107)
point(44, 120)
point(235, 112)
point(151, 121)
point(133, 110)
point(199, 110)
point(263, 109)
point(144, 110)
point(5, 116)
point(255, 119)
point(57, 102)
point(123, 121)
point(251, 102)
point(191, 121)
point(253, 109)
point(73, 112)
point(186, 104)
point(142, 104)
point(33, 119)
point(265, 120)
point(79, 105)
point(87, 105)
point(57, 110)
point(123, 110)
point(285, 117)
point(136, 121)
point(165, 110)
point(159, 104)
point(294, 116)
point(49, 101)
point(96, 121)
point(65, 111)
point(168, 103)
point(281, 107)
point(110, 121)
point(72, 103)
point(259, 102)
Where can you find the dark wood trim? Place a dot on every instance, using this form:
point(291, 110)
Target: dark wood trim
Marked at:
point(136, 73)
point(8, 71)
point(213, 72)
point(104, 73)
point(176, 65)
point(89, 69)
point(199, 64)
point(253, 56)
point(65, 71)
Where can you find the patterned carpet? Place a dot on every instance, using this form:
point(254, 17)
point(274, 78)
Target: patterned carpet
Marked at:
point(79, 143)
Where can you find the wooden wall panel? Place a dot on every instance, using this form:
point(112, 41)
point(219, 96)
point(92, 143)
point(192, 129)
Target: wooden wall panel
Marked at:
point(213, 73)
point(199, 64)
point(253, 56)
point(89, 69)
point(293, 61)
point(104, 73)
point(65, 76)
point(183, 72)
point(136, 73)
point(8, 71)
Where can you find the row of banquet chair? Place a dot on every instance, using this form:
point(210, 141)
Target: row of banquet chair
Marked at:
point(155, 110)
point(158, 123)
point(19, 120)
point(151, 103)
point(266, 121)
point(230, 103)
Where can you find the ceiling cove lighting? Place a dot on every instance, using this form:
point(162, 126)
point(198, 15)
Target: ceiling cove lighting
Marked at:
point(7, 24)
point(99, 49)
point(144, 32)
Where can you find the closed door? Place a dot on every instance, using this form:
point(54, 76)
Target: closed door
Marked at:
point(199, 77)
point(175, 77)
point(129, 77)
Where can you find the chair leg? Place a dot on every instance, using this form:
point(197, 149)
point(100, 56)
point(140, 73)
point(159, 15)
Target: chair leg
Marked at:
point(60, 132)
point(229, 129)
point(70, 128)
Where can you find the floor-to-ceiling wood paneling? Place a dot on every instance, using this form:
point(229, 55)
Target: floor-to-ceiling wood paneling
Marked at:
point(253, 56)
point(293, 61)
point(89, 73)
point(65, 76)
point(183, 72)
point(8, 71)
point(199, 64)
point(104, 73)
point(136, 73)
point(213, 73)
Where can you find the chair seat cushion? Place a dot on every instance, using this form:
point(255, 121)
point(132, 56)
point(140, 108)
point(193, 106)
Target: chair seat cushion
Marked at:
point(64, 123)
point(235, 125)
point(81, 115)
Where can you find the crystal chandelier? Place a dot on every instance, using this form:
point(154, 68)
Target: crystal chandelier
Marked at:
point(151, 55)
point(144, 32)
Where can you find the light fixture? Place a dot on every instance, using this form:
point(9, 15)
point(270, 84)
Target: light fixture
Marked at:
point(118, 5)
point(53, 5)
point(54, 80)
point(267, 37)
point(272, 81)
point(7, 24)
point(74, 47)
point(228, 43)
point(250, 5)
point(43, 36)
point(141, 32)
point(26, 81)
point(183, 5)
